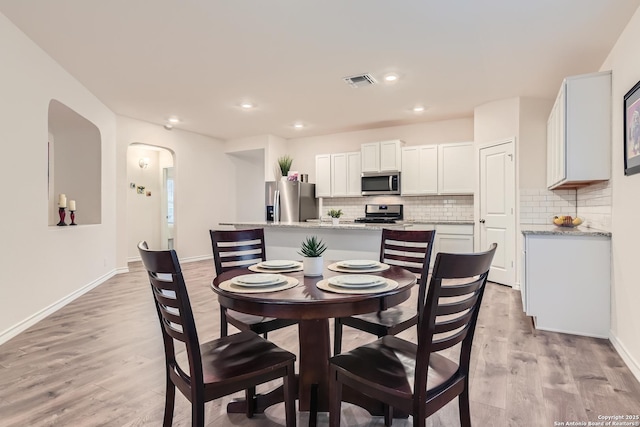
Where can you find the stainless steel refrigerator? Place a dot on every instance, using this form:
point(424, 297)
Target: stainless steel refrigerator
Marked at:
point(290, 201)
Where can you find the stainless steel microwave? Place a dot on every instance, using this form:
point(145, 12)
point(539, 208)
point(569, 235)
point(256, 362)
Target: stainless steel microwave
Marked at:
point(379, 183)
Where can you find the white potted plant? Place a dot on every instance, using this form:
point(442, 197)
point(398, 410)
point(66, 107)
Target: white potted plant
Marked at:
point(335, 215)
point(284, 163)
point(311, 250)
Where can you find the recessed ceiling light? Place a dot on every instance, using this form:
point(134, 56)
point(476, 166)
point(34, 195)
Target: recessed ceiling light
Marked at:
point(168, 126)
point(390, 78)
point(418, 109)
point(298, 125)
point(247, 105)
point(174, 120)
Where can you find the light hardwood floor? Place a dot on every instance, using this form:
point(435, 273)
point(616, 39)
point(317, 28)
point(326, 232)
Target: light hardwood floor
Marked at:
point(99, 362)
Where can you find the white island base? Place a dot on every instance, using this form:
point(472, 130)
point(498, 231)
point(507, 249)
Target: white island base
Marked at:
point(348, 241)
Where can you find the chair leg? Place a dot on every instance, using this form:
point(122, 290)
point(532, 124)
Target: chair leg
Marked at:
point(388, 415)
point(337, 336)
point(289, 396)
point(463, 406)
point(224, 327)
point(197, 412)
point(335, 398)
point(264, 335)
point(250, 395)
point(169, 402)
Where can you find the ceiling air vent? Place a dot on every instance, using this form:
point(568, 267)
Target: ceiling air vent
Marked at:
point(360, 80)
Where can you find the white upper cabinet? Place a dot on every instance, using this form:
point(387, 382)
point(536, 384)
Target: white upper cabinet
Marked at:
point(382, 156)
point(345, 174)
point(338, 175)
point(438, 169)
point(323, 175)
point(456, 168)
point(419, 170)
point(579, 132)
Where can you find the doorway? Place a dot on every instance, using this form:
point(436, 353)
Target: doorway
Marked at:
point(151, 212)
point(497, 208)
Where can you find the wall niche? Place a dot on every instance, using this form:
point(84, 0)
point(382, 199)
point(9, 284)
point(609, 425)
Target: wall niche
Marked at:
point(75, 165)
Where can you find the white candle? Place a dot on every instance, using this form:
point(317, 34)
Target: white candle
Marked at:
point(62, 201)
point(72, 205)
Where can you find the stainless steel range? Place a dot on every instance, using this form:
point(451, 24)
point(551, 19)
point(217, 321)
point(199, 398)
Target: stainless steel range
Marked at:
point(381, 214)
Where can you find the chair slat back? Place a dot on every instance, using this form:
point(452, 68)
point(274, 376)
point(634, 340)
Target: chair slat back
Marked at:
point(173, 307)
point(237, 248)
point(410, 249)
point(451, 308)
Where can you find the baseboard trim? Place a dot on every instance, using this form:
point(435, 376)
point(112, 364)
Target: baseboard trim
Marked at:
point(14, 330)
point(196, 258)
point(633, 364)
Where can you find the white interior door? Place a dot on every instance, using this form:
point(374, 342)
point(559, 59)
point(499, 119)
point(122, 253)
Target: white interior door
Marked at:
point(497, 209)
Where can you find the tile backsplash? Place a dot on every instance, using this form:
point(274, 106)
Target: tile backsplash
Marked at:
point(427, 208)
point(591, 203)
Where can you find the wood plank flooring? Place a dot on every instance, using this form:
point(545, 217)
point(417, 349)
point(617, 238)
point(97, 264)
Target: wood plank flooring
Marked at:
point(99, 362)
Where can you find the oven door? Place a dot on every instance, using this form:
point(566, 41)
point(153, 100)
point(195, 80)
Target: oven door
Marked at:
point(374, 184)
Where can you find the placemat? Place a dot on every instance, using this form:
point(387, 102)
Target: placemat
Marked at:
point(339, 269)
point(229, 286)
point(326, 286)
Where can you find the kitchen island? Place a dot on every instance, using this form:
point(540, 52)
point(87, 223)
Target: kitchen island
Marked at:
point(347, 240)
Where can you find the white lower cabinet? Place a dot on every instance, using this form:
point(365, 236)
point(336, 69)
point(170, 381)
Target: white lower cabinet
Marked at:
point(450, 238)
point(566, 285)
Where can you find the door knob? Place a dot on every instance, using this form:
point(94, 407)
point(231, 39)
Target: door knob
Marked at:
point(482, 221)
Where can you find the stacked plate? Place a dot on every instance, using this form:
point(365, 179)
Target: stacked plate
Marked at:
point(258, 280)
point(357, 281)
point(278, 264)
point(358, 264)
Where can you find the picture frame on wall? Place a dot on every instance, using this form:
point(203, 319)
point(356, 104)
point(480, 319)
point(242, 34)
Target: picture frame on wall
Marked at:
point(632, 130)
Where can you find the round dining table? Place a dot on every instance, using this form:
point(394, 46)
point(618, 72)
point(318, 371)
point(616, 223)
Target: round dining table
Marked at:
point(313, 308)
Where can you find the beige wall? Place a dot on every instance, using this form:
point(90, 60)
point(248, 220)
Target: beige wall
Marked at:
point(42, 265)
point(205, 192)
point(532, 142)
point(625, 65)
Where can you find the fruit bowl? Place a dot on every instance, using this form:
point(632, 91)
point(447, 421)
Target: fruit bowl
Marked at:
point(566, 221)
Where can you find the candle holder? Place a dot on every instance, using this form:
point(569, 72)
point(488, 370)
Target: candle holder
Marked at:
point(73, 218)
point(62, 214)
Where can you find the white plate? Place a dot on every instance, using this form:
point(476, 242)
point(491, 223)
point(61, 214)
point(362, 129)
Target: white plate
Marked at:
point(258, 279)
point(358, 263)
point(278, 264)
point(357, 281)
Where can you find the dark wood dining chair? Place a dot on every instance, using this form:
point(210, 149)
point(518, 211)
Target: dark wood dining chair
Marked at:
point(216, 368)
point(240, 249)
point(410, 249)
point(415, 378)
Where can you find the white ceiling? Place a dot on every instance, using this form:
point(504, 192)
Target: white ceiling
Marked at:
point(198, 59)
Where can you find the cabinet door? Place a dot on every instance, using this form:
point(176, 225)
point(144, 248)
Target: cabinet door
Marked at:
point(456, 239)
point(353, 174)
point(370, 157)
point(456, 168)
point(390, 156)
point(323, 175)
point(419, 170)
point(338, 175)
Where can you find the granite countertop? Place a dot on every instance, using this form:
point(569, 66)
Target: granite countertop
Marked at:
point(346, 225)
point(550, 229)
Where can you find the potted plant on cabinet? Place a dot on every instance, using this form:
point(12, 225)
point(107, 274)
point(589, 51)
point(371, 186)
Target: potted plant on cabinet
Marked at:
point(311, 250)
point(284, 163)
point(335, 215)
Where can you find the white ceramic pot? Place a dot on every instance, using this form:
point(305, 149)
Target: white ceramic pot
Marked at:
point(312, 266)
point(335, 221)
